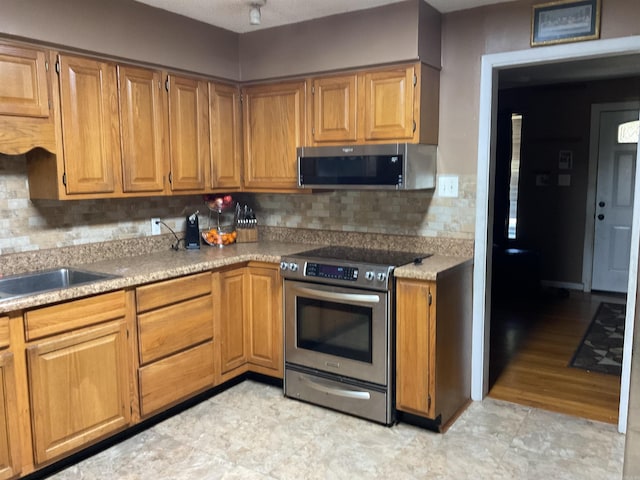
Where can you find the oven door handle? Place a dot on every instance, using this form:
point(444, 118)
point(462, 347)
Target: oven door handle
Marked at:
point(345, 297)
point(340, 392)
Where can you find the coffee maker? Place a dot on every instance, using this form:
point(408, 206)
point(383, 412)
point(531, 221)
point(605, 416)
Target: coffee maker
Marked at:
point(192, 233)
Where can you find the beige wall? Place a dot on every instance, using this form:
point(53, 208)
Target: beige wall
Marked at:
point(466, 36)
point(370, 37)
point(125, 29)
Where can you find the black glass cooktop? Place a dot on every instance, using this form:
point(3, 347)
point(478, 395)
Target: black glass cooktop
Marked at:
point(364, 255)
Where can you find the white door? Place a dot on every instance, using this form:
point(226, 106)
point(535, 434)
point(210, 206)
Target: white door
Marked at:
point(618, 139)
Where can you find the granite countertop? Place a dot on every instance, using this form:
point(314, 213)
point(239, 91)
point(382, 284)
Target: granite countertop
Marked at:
point(432, 267)
point(163, 265)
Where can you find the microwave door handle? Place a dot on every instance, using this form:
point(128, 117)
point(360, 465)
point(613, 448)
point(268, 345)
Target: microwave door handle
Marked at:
point(344, 297)
point(340, 392)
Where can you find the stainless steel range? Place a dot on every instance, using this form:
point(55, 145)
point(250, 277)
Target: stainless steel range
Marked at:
point(338, 311)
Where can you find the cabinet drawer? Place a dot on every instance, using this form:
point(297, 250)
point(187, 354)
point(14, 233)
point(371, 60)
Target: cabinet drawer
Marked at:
point(4, 332)
point(74, 314)
point(171, 329)
point(175, 378)
point(172, 291)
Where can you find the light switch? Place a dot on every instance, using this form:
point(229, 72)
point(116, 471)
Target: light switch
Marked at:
point(448, 186)
point(564, 180)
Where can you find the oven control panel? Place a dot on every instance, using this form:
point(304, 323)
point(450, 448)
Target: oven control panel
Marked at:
point(333, 272)
point(338, 273)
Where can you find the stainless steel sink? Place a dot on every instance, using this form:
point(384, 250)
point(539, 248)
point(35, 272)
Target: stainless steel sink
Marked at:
point(44, 281)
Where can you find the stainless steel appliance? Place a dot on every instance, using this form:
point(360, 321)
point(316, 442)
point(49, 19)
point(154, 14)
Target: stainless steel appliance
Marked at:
point(395, 166)
point(338, 313)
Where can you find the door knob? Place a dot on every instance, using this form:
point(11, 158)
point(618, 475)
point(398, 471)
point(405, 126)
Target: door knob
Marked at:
point(601, 204)
point(601, 217)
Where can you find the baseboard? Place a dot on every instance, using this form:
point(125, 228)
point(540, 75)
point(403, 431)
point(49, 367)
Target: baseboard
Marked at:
point(567, 285)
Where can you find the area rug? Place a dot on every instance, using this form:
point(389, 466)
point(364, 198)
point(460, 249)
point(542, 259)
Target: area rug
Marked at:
point(601, 348)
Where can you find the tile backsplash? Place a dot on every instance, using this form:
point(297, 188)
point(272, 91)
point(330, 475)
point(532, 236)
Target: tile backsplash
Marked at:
point(27, 226)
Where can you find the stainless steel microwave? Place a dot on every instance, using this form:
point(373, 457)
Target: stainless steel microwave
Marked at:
point(391, 166)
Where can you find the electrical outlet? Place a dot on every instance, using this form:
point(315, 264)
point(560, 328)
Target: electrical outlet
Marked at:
point(155, 226)
point(448, 186)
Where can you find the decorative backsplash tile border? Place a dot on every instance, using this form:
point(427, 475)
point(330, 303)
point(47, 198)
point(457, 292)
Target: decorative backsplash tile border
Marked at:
point(420, 220)
point(413, 213)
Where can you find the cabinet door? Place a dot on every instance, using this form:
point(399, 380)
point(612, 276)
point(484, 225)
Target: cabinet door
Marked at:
point(264, 314)
point(388, 106)
point(142, 123)
point(79, 389)
point(225, 136)
point(274, 125)
point(9, 440)
point(334, 109)
point(415, 347)
point(91, 137)
point(233, 347)
point(188, 133)
point(23, 82)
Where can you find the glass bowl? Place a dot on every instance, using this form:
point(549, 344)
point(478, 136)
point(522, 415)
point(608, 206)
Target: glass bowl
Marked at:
point(220, 236)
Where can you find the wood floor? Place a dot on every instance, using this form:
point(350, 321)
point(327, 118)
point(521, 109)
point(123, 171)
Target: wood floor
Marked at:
point(532, 343)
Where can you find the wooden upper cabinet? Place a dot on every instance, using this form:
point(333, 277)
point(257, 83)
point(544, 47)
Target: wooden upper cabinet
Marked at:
point(334, 108)
point(392, 104)
point(91, 137)
point(389, 104)
point(274, 126)
point(188, 133)
point(142, 126)
point(23, 85)
point(225, 136)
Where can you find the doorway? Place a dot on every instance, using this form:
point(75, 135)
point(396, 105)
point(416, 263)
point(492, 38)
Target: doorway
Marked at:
point(491, 66)
point(539, 309)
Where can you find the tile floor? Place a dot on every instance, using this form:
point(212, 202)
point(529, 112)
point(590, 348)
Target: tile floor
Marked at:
point(252, 432)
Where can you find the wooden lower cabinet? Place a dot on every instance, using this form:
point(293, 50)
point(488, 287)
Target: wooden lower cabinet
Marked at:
point(9, 433)
point(264, 318)
point(232, 323)
point(433, 346)
point(77, 372)
point(415, 347)
point(250, 321)
point(175, 341)
point(176, 378)
point(79, 389)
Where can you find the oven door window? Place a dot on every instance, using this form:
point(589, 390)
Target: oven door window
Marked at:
point(334, 328)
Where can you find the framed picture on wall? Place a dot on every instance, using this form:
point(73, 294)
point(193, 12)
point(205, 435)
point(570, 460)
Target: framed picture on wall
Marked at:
point(565, 21)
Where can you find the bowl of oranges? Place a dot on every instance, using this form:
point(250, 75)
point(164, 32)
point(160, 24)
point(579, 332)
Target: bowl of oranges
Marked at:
point(220, 237)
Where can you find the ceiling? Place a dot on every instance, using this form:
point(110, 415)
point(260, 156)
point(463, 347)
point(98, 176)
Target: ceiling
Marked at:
point(234, 14)
point(571, 71)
